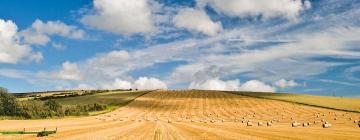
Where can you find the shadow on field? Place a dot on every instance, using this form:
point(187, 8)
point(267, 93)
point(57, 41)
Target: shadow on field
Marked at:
point(151, 104)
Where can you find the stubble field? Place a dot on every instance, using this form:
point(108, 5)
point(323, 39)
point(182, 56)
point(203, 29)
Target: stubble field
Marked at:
point(193, 114)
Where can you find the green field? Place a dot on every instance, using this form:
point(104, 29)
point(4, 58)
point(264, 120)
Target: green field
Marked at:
point(338, 103)
point(112, 98)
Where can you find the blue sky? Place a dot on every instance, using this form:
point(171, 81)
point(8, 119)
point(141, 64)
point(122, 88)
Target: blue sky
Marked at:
point(298, 46)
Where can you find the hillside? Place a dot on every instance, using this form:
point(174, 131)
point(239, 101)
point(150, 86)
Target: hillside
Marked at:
point(338, 103)
point(194, 114)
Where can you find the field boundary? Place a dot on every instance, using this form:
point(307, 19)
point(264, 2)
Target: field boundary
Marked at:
point(325, 107)
point(120, 105)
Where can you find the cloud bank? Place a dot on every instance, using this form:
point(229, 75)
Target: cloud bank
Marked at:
point(232, 85)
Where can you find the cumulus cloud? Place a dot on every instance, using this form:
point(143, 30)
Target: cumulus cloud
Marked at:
point(109, 59)
point(142, 83)
point(216, 84)
point(289, 9)
point(149, 83)
point(286, 84)
point(39, 33)
point(117, 84)
point(232, 85)
point(83, 87)
point(196, 20)
point(121, 16)
point(11, 50)
point(257, 86)
point(69, 71)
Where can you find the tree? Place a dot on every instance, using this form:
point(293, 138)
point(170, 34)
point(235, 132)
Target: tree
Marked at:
point(8, 104)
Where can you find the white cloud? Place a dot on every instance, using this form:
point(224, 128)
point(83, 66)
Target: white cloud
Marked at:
point(232, 85)
point(196, 20)
point(39, 32)
point(11, 50)
point(58, 46)
point(13, 73)
point(110, 59)
point(117, 84)
point(257, 86)
point(286, 84)
point(83, 87)
point(69, 71)
point(121, 16)
point(149, 83)
point(216, 84)
point(289, 9)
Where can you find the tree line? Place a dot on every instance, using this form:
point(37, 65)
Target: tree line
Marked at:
point(36, 109)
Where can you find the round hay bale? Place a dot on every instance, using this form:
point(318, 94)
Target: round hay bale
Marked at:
point(269, 124)
point(295, 124)
point(326, 125)
point(249, 124)
point(169, 121)
point(260, 124)
point(335, 118)
point(305, 125)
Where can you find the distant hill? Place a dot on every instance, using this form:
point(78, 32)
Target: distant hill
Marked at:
point(337, 103)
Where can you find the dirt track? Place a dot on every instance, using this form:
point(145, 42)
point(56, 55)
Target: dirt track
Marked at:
point(197, 115)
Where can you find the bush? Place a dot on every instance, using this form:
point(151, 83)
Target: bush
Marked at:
point(34, 109)
point(8, 104)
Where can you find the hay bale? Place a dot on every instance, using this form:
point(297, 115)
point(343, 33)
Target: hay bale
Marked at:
point(249, 123)
point(355, 121)
point(269, 124)
point(169, 121)
point(260, 124)
point(326, 125)
point(295, 124)
point(350, 118)
point(305, 125)
point(335, 118)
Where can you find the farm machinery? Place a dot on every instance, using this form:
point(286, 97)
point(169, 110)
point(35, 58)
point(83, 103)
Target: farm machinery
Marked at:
point(38, 133)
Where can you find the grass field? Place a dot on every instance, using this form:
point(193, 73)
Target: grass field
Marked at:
point(339, 103)
point(114, 98)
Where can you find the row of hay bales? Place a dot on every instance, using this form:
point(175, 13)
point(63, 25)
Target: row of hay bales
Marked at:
point(325, 124)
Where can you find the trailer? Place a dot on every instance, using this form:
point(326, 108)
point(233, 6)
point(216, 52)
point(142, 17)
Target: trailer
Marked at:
point(42, 133)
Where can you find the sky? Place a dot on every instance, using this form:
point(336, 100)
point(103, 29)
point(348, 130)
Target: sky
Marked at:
point(296, 46)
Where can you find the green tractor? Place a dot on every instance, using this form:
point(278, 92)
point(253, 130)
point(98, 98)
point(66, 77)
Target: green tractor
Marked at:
point(38, 134)
point(46, 133)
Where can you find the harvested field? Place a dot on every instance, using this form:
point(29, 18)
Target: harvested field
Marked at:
point(193, 114)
